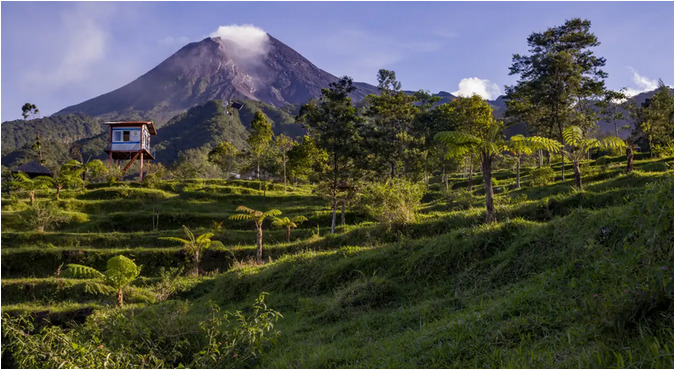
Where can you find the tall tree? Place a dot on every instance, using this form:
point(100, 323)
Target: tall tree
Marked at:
point(557, 79)
point(655, 120)
point(333, 122)
point(284, 144)
point(223, 154)
point(487, 142)
point(306, 158)
point(390, 117)
point(260, 138)
point(31, 110)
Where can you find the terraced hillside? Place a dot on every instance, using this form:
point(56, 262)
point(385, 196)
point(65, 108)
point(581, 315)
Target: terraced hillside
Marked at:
point(565, 278)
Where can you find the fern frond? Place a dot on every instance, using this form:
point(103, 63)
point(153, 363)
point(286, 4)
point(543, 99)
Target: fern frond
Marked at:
point(572, 135)
point(205, 236)
point(612, 142)
point(176, 239)
point(272, 213)
point(241, 217)
point(82, 271)
point(300, 219)
point(245, 209)
point(456, 138)
point(97, 288)
point(280, 222)
point(544, 143)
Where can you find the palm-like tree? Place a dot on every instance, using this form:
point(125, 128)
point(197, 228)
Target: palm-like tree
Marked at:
point(489, 144)
point(577, 147)
point(257, 217)
point(121, 271)
point(24, 182)
point(194, 246)
point(518, 145)
point(287, 223)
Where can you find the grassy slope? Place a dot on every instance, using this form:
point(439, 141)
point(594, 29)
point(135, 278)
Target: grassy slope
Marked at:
point(446, 292)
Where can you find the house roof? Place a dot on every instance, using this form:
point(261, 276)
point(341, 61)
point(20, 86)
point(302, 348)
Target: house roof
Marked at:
point(33, 167)
point(150, 125)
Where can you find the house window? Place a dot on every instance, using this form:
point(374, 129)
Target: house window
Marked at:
point(127, 136)
point(116, 136)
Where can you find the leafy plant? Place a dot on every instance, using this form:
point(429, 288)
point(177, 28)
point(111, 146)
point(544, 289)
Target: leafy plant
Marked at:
point(120, 272)
point(23, 182)
point(579, 145)
point(194, 246)
point(257, 217)
point(286, 223)
point(541, 176)
point(393, 202)
point(42, 215)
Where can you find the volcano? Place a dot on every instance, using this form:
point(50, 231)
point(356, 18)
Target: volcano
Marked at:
point(213, 69)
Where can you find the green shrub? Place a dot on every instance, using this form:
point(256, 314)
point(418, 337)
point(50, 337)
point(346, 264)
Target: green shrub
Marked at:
point(393, 202)
point(460, 199)
point(541, 176)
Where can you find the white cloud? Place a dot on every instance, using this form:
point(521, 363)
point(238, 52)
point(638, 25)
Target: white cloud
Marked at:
point(84, 46)
point(483, 87)
point(249, 41)
point(643, 84)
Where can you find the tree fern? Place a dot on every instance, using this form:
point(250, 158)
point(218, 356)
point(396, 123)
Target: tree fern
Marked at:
point(82, 271)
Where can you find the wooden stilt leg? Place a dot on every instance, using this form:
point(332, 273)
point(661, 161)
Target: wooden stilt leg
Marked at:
point(141, 166)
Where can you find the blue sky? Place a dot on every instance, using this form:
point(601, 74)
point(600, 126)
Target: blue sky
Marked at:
point(59, 54)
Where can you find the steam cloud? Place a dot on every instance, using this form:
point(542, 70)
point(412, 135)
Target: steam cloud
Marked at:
point(248, 42)
point(643, 84)
point(483, 87)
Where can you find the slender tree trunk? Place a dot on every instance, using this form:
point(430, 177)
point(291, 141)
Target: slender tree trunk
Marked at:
point(444, 176)
point(284, 172)
point(229, 167)
point(120, 297)
point(32, 197)
point(519, 160)
point(334, 194)
point(561, 136)
point(549, 157)
point(343, 211)
point(58, 192)
point(259, 242)
point(259, 182)
point(288, 234)
point(426, 176)
point(576, 172)
point(630, 160)
point(195, 264)
point(470, 174)
point(488, 190)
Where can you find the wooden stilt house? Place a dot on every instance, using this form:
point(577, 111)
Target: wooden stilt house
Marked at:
point(130, 141)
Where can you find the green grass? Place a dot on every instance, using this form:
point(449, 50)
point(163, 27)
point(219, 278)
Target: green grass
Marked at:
point(565, 279)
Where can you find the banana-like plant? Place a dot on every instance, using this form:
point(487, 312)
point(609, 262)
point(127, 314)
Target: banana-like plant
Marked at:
point(518, 145)
point(194, 246)
point(287, 223)
point(120, 272)
point(257, 217)
point(577, 147)
point(70, 173)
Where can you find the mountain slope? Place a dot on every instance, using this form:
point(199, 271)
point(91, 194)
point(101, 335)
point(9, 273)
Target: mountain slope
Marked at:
point(209, 70)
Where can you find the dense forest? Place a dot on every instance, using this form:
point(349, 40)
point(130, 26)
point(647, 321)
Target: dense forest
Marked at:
point(404, 231)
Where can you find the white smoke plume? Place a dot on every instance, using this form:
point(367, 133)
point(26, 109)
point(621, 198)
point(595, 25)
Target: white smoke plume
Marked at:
point(247, 41)
point(483, 87)
point(643, 84)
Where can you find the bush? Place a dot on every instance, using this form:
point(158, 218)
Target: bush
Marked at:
point(43, 215)
point(460, 199)
point(541, 176)
point(393, 202)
